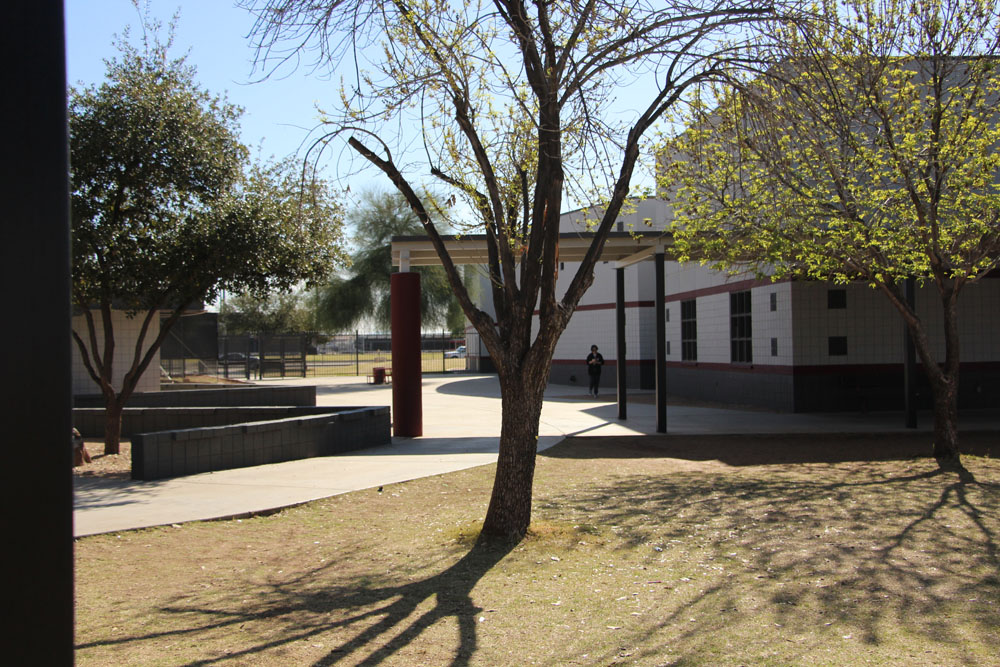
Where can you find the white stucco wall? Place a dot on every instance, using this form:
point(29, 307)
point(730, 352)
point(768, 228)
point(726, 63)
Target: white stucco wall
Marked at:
point(126, 333)
point(800, 324)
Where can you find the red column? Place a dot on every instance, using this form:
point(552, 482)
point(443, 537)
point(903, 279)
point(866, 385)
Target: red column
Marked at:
point(407, 402)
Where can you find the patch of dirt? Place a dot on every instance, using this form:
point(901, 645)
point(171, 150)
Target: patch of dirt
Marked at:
point(110, 466)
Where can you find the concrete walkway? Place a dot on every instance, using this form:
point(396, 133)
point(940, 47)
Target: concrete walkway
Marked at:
point(461, 427)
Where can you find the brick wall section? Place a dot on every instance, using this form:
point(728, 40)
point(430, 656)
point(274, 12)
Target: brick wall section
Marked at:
point(242, 396)
point(190, 451)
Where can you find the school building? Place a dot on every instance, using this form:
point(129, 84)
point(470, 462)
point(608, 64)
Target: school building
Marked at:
point(796, 346)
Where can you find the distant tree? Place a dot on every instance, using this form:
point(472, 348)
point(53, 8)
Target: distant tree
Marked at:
point(278, 312)
point(167, 211)
point(871, 153)
point(363, 292)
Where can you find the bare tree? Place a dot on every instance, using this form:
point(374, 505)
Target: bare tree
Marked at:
point(516, 108)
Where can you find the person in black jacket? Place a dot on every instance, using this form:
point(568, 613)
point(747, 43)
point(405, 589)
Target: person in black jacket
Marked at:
point(594, 363)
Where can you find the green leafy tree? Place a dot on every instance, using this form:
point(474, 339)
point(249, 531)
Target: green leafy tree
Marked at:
point(278, 312)
point(870, 154)
point(167, 211)
point(515, 105)
point(363, 293)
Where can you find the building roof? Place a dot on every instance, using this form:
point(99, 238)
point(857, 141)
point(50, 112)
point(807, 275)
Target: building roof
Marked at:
point(624, 248)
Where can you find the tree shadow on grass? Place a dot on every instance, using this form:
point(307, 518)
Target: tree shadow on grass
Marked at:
point(381, 620)
point(831, 552)
point(751, 450)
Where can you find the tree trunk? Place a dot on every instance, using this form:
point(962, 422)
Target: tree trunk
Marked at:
point(945, 390)
point(113, 409)
point(943, 378)
point(509, 513)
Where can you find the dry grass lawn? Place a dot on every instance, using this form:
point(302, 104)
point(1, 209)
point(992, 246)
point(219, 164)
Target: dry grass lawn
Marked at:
point(645, 551)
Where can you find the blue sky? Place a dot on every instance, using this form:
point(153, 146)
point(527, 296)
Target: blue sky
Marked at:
point(278, 112)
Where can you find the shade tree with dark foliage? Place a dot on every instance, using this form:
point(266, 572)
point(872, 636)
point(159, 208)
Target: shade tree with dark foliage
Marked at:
point(168, 210)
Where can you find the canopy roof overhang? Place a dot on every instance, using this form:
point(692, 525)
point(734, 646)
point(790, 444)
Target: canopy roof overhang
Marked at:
point(623, 248)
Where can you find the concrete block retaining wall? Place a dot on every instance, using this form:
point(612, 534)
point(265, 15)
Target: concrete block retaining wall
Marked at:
point(195, 450)
point(231, 397)
point(90, 421)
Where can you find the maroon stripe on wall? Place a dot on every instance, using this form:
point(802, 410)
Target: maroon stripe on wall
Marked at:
point(739, 286)
point(690, 294)
point(611, 306)
point(608, 362)
point(709, 291)
point(783, 369)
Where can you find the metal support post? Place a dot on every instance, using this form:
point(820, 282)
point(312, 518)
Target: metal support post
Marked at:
point(661, 345)
point(909, 360)
point(407, 400)
point(620, 339)
point(37, 490)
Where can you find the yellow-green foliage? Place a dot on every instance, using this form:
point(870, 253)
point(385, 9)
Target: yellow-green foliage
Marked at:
point(870, 153)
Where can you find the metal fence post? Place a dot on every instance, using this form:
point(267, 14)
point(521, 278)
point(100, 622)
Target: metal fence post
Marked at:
point(303, 345)
point(281, 354)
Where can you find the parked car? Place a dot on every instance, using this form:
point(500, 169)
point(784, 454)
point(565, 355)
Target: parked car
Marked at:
point(457, 353)
point(239, 359)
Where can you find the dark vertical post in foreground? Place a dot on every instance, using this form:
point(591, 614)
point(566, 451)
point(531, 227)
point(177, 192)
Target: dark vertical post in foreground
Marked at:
point(37, 394)
point(407, 401)
point(661, 346)
point(909, 360)
point(620, 339)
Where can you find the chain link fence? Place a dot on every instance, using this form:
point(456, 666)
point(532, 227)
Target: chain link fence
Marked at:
point(307, 354)
point(360, 353)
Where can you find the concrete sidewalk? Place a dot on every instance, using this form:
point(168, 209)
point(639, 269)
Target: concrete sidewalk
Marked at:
point(461, 427)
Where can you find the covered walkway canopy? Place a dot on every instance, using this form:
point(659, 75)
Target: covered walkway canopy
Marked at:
point(623, 248)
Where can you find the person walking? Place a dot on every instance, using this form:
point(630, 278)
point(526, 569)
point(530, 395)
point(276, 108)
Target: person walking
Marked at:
point(594, 363)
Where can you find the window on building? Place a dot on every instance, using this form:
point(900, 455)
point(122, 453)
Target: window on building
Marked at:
point(774, 347)
point(774, 301)
point(838, 346)
point(836, 299)
point(740, 328)
point(689, 330)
